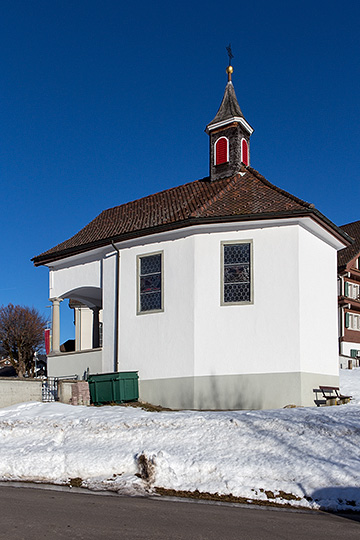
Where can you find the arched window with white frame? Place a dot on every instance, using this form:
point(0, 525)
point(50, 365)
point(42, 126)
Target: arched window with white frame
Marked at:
point(221, 151)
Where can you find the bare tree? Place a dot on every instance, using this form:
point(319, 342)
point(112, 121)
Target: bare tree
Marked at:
point(21, 335)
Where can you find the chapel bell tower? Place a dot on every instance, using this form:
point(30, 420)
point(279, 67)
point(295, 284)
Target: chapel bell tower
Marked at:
point(229, 134)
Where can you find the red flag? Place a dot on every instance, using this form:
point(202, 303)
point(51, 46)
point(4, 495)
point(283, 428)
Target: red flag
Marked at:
point(47, 340)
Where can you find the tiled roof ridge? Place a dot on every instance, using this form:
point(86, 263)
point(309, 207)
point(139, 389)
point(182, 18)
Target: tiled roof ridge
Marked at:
point(356, 222)
point(199, 201)
point(231, 182)
point(152, 195)
point(279, 190)
point(104, 214)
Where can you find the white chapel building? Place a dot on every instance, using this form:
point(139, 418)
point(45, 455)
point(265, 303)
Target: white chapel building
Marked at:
point(207, 289)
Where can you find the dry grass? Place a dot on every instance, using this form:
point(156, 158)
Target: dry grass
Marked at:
point(75, 482)
point(229, 498)
point(145, 406)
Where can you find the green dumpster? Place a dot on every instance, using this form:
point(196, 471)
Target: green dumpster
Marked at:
point(114, 387)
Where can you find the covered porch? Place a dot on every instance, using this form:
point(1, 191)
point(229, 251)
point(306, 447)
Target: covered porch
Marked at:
point(83, 353)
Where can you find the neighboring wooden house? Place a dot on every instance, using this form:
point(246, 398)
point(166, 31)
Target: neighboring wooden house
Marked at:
point(207, 289)
point(6, 369)
point(4, 362)
point(349, 298)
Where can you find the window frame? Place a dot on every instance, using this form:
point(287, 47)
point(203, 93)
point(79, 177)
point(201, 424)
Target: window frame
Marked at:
point(352, 320)
point(222, 271)
point(138, 278)
point(352, 290)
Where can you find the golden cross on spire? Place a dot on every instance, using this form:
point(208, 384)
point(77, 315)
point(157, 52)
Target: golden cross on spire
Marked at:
point(229, 69)
point(230, 54)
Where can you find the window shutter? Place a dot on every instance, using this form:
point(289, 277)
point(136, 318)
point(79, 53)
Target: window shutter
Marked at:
point(244, 152)
point(347, 320)
point(346, 284)
point(221, 149)
point(353, 353)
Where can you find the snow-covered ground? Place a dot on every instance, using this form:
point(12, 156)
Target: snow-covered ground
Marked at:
point(350, 384)
point(306, 457)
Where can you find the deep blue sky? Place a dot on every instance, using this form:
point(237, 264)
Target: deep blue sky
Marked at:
point(102, 102)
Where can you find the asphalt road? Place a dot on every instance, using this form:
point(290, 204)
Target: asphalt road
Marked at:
point(28, 513)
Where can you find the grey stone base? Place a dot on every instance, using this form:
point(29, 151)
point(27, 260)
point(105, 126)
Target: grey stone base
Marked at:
point(255, 391)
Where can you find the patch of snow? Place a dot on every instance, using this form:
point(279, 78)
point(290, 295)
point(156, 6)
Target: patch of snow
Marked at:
point(350, 384)
point(304, 457)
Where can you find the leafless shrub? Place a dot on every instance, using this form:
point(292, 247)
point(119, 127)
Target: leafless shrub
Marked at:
point(146, 468)
point(21, 335)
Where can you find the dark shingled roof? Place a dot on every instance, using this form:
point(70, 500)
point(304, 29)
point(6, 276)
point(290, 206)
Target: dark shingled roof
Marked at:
point(229, 106)
point(345, 255)
point(246, 196)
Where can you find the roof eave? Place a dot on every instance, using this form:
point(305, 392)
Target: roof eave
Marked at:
point(334, 229)
point(239, 119)
point(77, 250)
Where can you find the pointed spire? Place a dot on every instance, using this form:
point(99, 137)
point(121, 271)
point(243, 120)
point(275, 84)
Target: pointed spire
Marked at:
point(229, 108)
point(229, 134)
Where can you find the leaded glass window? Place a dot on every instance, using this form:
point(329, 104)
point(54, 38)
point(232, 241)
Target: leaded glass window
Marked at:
point(150, 283)
point(236, 273)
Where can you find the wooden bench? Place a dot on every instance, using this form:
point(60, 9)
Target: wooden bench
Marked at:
point(330, 395)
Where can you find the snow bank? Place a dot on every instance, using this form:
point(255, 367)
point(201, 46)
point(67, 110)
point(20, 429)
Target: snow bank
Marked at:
point(304, 457)
point(350, 384)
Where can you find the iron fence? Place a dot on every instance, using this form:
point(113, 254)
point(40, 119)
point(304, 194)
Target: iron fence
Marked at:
point(50, 387)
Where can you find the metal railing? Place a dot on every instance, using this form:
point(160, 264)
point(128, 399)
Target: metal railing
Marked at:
point(50, 387)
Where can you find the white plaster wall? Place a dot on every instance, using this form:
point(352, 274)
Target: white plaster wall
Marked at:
point(74, 363)
point(159, 345)
point(346, 347)
point(195, 335)
point(109, 300)
point(86, 324)
point(64, 279)
point(258, 338)
point(318, 305)
point(339, 286)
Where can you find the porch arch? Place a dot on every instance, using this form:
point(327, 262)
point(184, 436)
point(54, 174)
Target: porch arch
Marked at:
point(88, 324)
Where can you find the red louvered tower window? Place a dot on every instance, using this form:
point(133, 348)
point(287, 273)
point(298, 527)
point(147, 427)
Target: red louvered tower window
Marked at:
point(221, 151)
point(244, 152)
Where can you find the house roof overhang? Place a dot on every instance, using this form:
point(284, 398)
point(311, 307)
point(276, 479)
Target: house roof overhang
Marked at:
point(340, 239)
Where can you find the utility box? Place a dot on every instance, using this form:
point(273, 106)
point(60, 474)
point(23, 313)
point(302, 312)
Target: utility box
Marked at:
point(114, 387)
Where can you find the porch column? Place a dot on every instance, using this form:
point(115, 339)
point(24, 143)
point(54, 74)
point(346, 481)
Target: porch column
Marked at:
point(55, 324)
point(95, 335)
point(77, 321)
